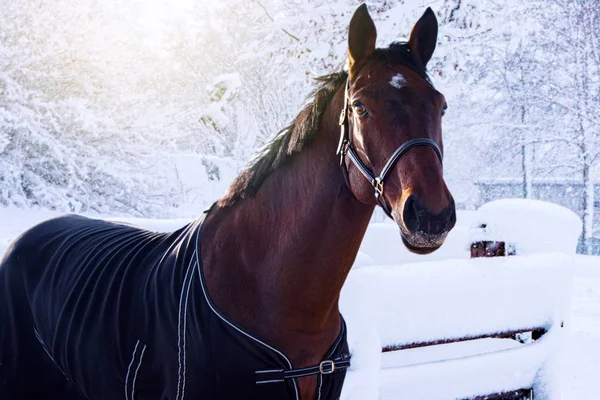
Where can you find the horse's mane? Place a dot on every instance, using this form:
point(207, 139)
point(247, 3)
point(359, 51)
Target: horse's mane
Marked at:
point(296, 136)
point(289, 141)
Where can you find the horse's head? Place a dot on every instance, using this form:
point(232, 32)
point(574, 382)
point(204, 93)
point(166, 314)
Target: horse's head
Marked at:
point(393, 127)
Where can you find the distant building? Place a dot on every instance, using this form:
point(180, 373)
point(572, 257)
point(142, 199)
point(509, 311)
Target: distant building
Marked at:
point(565, 192)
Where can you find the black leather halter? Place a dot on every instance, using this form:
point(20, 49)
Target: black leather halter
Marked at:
point(345, 148)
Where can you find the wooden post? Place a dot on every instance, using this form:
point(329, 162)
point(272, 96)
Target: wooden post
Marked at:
point(490, 248)
point(521, 394)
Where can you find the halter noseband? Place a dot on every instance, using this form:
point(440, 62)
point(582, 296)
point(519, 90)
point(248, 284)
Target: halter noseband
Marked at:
point(345, 147)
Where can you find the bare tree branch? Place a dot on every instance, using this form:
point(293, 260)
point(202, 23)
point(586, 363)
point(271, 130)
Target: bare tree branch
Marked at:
point(271, 18)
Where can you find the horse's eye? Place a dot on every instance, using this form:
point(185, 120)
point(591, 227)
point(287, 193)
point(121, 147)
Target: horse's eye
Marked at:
point(360, 109)
point(444, 109)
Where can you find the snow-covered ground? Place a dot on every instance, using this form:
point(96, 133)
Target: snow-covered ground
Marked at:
point(534, 290)
point(581, 365)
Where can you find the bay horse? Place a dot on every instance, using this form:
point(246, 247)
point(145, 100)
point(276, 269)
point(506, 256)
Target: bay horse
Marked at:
point(241, 303)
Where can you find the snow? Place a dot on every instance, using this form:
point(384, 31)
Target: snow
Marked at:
point(454, 297)
point(385, 236)
point(582, 348)
point(459, 377)
point(391, 299)
point(420, 302)
point(534, 226)
point(457, 298)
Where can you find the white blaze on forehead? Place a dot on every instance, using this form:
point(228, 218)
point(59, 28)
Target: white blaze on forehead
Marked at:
point(398, 81)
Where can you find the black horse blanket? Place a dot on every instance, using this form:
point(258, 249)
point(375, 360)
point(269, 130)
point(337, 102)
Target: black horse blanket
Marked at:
point(102, 311)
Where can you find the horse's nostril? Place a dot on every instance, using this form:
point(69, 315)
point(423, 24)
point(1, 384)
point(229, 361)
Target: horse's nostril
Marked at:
point(417, 218)
point(410, 214)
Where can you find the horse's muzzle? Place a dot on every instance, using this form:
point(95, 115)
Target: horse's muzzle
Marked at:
point(423, 231)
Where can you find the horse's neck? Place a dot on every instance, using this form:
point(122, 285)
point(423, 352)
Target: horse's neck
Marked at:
point(276, 262)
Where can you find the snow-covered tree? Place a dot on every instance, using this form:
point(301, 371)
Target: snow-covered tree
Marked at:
point(147, 107)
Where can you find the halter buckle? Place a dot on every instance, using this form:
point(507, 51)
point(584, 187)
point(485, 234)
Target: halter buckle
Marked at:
point(378, 186)
point(326, 367)
point(342, 150)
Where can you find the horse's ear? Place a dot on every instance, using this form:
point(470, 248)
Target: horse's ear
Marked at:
point(423, 36)
point(361, 38)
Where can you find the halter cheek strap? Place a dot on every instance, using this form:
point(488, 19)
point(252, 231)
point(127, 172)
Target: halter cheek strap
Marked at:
point(345, 148)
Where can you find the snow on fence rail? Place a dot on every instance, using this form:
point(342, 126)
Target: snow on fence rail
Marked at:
point(429, 304)
point(486, 328)
point(467, 298)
